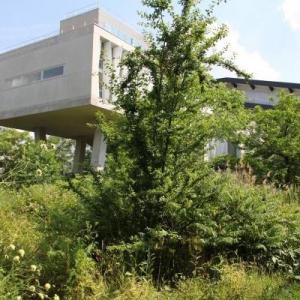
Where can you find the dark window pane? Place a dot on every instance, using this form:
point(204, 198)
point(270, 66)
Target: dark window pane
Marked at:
point(53, 72)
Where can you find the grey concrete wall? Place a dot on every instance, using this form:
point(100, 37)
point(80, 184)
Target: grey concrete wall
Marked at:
point(73, 50)
point(82, 20)
point(101, 36)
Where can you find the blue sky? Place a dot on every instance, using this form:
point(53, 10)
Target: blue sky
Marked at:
point(264, 34)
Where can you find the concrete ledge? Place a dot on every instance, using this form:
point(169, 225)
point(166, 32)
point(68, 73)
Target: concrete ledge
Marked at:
point(45, 107)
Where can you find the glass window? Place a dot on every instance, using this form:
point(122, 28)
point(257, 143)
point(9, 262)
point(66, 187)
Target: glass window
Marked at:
point(53, 72)
point(35, 76)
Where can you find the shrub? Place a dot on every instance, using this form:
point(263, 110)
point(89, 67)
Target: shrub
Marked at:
point(24, 162)
point(50, 224)
point(225, 219)
point(19, 280)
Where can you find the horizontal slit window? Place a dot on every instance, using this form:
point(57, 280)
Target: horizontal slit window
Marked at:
point(29, 78)
point(53, 72)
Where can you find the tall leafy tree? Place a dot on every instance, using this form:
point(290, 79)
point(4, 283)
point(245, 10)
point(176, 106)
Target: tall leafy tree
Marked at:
point(273, 143)
point(171, 108)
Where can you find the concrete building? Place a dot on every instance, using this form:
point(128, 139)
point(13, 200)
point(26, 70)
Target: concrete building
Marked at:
point(56, 86)
point(258, 92)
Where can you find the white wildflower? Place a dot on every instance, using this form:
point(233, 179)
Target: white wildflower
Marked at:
point(16, 259)
point(19, 298)
point(44, 146)
point(33, 268)
point(21, 252)
point(47, 286)
point(41, 295)
point(2, 158)
point(12, 247)
point(56, 297)
point(39, 172)
point(32, 288)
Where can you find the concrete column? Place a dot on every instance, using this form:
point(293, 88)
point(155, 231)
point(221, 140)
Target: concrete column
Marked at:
point(40, 134)
point(79, 154)
point(124, 71)
point(95, 67)
point(117, 56)
point(107, 56)
point(99, 151)
point(116, 60)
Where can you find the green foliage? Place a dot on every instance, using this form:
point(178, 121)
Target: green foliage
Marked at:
point(225, 219)
point(161, 210)
point(273, 144)
point(224, 162)
point(158, 222)
point(18, 280)
point(49, 223)
point(24, 162)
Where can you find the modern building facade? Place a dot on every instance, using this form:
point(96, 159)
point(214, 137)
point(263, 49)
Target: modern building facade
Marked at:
point(57, 85)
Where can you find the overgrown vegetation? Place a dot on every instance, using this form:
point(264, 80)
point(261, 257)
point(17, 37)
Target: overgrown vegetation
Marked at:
point(273, 142)
point(160, 221)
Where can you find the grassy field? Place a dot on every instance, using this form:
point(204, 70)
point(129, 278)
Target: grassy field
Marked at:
point(43, 240)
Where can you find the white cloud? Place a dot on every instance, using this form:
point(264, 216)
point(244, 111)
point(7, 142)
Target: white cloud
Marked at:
point(291, 12)
point(249, 60)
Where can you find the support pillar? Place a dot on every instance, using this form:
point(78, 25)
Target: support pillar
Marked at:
point(99, 151)
point(40, 134)
point(107, 56)
point(124, 70)
point(117, 56)
point(79, 154)
point(116, 60)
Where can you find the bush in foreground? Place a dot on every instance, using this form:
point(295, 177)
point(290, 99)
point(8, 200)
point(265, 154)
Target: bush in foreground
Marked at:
point(49, 224)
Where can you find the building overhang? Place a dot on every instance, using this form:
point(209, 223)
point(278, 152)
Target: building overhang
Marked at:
point(68, 123)
point(253, 83)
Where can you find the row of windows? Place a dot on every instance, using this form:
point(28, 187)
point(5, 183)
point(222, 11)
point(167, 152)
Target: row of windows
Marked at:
point(35, 76)
point(121, 35)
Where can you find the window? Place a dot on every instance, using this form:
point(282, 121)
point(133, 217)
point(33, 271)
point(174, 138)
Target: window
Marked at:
point(29, 78)
point(24, 79)
point(100, 85)
point(53, 72)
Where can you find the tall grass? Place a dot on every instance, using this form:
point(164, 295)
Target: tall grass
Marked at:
point(53, 227)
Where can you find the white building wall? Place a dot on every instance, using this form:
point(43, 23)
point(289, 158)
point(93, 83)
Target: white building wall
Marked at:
point(261, 94)
point(109, 48)
point(72, 50)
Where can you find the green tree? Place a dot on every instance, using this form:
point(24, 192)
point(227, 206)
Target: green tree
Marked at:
point(172, 107)
point(273, 144)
